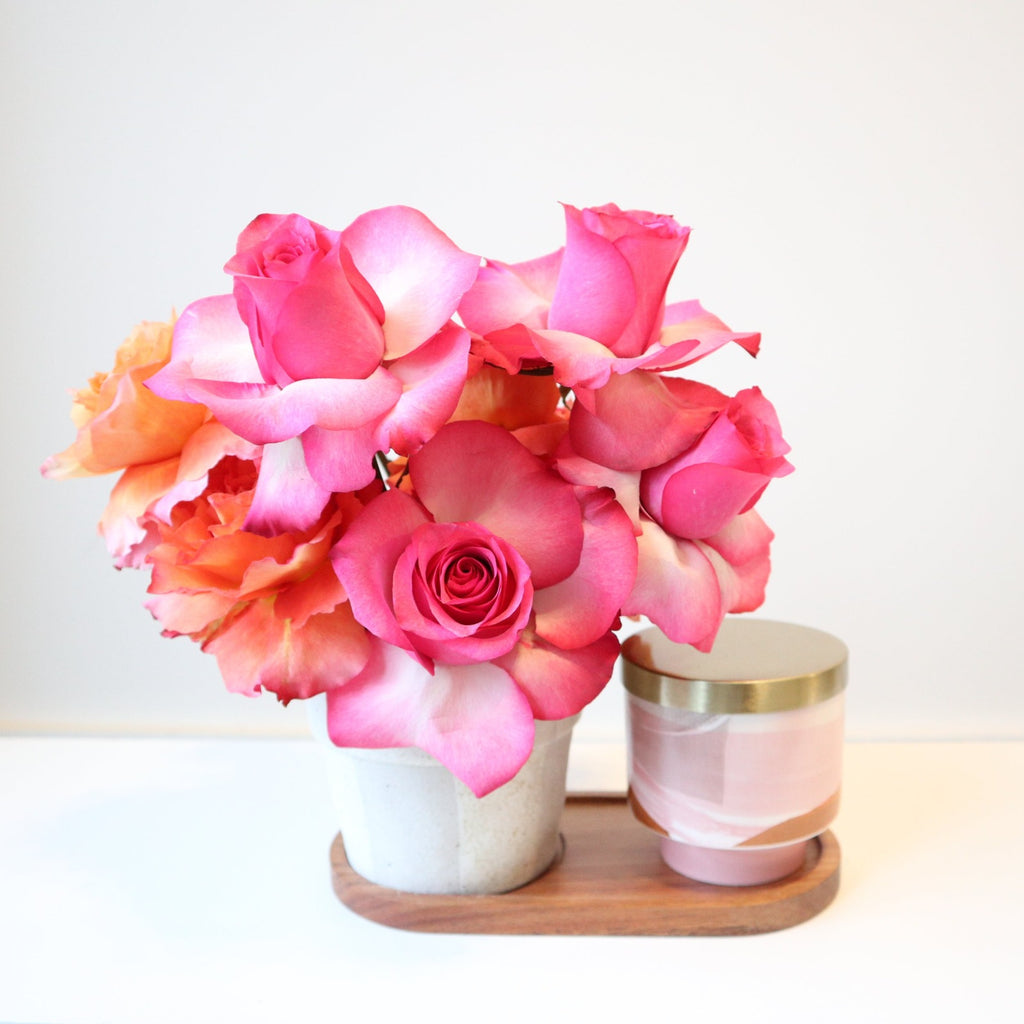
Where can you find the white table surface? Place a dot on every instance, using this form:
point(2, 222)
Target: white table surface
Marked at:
point(187, 880)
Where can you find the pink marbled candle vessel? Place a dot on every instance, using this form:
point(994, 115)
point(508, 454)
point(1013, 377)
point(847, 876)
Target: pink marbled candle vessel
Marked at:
point(736, 755)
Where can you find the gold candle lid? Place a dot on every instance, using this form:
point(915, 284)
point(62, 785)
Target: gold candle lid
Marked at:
point(755, 666)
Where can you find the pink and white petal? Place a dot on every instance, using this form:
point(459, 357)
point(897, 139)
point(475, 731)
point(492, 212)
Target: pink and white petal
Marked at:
point(642, 420)
point(432, 379)
point(477, 472)
point(578, 361)
point(365, 559)
point(417, 271)
point(210, 343)
point(581, 608)
point(265, 413)
point(342, 460)
point(472, 718)
point(504, 294)
point(556, 682)
point(676, 587)
point(595, 295)
point(287, 497)
point(690, 321)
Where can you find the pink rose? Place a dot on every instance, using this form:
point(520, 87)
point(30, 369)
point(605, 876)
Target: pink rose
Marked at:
point(596, 307)
point(699, 491)
point(687, 587)
point(335, 345)
point(495, 563)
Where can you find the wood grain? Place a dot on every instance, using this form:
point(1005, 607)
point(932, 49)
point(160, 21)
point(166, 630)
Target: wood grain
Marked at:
point(610, 881)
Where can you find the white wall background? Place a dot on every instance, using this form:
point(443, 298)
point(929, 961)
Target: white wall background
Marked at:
point(853, 175)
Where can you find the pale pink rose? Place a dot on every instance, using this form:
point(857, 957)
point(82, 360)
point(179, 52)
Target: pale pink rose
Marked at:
point(270, 609)
point(596, 307)
point(492, 563)
point(699, 491)
point(335, 345)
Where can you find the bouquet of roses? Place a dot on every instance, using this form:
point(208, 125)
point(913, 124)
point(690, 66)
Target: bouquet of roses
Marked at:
point(429, 485)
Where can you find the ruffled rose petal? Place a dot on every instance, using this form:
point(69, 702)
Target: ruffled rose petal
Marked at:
point(472, 718)
point(581, 608)
point(260, 650)
point(676, 588)
point(477, 472)
point(556, 682)
point(416, 270)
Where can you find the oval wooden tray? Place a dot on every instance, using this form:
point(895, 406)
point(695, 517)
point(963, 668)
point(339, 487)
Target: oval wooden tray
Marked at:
point(610, 881)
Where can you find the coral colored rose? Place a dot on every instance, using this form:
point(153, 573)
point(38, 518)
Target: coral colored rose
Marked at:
point(165, 448)
point(698, 492)
point(335, 345)
point(121, 423)
point(492, 561)
point(596, 307)
point(270, 608)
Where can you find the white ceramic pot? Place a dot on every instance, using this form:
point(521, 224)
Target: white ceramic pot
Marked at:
point(408, 823)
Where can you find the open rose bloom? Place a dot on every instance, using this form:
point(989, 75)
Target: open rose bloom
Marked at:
point(429, 485)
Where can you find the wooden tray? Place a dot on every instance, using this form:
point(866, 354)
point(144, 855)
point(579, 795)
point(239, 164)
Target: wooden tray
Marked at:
point(610, 880)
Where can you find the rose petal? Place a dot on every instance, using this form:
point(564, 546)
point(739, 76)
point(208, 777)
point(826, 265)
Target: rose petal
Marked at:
point(477, 472)
point(472, 718)
point(504, 294)
point(287, 497)
point(432, 378)
point(210, 343)
point(744, 544)
point(578, 610)
point(596, 293)
point(642, 420)
point(559, 683)
point(365, 560)
point(260, 650)
point(690, 321)
point(676, 588)
point(416, 270)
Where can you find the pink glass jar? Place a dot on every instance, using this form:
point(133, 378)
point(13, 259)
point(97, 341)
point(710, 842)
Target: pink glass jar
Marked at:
point(735, 756)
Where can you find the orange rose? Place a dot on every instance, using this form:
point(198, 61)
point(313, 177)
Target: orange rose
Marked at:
point(121, 422)
point(271, 609)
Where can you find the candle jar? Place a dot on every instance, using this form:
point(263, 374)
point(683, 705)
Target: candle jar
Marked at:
point(735, 755)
